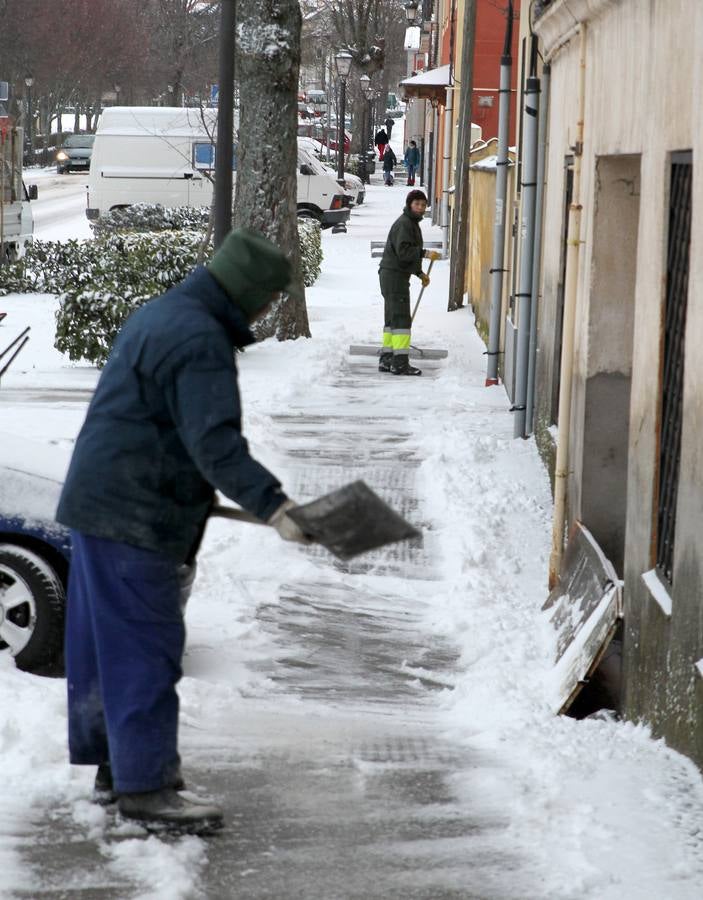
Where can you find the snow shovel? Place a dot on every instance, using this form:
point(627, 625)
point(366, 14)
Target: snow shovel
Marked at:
point(422, 291)
point(347, 522)
point(415, 352)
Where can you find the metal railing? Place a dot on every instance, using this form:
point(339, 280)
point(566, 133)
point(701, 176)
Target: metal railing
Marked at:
point(672, 377)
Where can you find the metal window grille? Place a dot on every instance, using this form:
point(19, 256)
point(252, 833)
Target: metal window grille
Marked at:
point(672, 378)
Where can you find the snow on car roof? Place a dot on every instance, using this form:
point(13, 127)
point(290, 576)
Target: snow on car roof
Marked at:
point(164, 120)
point(31, 477)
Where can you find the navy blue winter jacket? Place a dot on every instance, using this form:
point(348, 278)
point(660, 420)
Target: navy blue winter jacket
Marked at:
point(164, 427)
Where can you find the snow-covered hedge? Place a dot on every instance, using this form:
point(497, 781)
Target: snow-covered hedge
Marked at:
point(146, 217)
point(310, 235)
point(151, 217)
point(132, 269)
point(101, 281)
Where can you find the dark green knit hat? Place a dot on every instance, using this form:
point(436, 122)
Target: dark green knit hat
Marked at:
point(250, 268)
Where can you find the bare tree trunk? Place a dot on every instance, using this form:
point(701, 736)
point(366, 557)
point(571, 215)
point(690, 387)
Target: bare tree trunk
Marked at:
point(268, 56)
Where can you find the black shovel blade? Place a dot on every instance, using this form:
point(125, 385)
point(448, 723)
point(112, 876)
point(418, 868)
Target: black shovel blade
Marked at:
point(352, 520)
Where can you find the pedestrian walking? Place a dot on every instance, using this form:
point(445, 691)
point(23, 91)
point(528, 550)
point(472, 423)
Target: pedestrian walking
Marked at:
point(389, 123)
point(412, 161)
point(380, 140)
point(389, 163)
point(402, 257)
point(162, 433)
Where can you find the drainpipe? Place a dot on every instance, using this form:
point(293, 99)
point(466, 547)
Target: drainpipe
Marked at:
point(573, 249)
point(432, 169)
point(527, 232)
point(496, 270)
point(537, 253)
point(446, 158)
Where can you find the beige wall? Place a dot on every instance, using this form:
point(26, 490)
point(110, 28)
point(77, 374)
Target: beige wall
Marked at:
point(644, 77)
point(482, 217)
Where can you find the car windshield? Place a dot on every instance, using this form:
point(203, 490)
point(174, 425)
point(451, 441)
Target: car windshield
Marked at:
point(79, 140)
point(305, 158)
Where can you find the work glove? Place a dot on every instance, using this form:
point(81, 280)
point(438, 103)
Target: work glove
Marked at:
point(425, 279)
point(432, 254)
point(285, 526)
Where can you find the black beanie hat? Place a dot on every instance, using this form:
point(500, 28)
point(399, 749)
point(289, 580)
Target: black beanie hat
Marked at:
point(250, 268)
point(415, 195)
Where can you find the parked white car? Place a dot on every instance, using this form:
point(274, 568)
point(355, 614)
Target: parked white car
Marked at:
point(166, 155)
point(353, 185)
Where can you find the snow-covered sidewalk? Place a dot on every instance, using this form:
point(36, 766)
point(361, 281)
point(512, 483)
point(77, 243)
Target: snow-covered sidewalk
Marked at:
point(375, 730)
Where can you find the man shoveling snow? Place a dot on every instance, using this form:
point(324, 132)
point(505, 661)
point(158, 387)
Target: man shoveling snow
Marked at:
point(163, 431)
point(402, 257)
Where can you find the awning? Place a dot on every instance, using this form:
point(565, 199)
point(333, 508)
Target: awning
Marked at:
point(428, 85)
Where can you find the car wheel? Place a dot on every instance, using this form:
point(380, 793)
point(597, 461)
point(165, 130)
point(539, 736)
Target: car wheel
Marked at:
point(32, 608)
point(309, 214)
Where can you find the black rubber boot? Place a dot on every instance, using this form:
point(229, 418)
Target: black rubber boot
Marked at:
point(167, 810)
point(104, 792)
point(103, 789)
point(401, 366)
point(384, 362)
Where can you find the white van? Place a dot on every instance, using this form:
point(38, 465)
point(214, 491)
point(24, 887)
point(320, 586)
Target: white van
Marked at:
point(166, 155)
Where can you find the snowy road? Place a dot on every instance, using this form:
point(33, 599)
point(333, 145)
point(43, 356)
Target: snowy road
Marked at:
point(377, 730)
point(59, 211)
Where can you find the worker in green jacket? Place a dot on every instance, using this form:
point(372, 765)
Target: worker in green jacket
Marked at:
point(402, 257)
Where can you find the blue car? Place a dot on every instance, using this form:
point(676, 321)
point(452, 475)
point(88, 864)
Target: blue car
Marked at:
point(35, 552)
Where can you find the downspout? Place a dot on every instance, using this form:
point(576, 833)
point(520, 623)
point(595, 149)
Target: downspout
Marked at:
point(573, 251)
point(497, 269)
point(448, 129)
point(527, 232)
point(446, 157)
point(432, 176)
point(537, 254)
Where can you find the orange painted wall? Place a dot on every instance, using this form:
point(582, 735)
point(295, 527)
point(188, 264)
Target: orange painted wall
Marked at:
point(490, 36)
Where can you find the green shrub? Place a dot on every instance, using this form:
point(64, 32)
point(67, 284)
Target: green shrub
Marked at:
point(101, 281)
point(132, 269)
point(152, 217)
point(310, 237)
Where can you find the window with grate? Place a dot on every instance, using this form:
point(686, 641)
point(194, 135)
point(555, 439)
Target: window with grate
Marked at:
point(678, 252)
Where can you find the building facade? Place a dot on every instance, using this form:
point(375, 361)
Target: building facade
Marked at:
point(625, 138)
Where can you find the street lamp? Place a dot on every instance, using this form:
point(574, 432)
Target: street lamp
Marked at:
point(29, 81)
point(343, 64)
point(364, 82)
point(411, 10)
point(370, 94)
point(375, 96)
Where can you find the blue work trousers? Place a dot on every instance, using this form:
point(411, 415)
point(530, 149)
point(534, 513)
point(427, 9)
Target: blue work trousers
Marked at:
point(124, 643)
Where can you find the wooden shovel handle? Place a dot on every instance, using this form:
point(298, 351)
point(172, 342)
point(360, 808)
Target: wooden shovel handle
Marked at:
point(422, 291)
point(241, 515)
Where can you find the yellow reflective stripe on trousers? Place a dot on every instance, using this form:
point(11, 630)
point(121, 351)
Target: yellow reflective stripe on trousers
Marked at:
point(401, 340)
point(387, 339)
